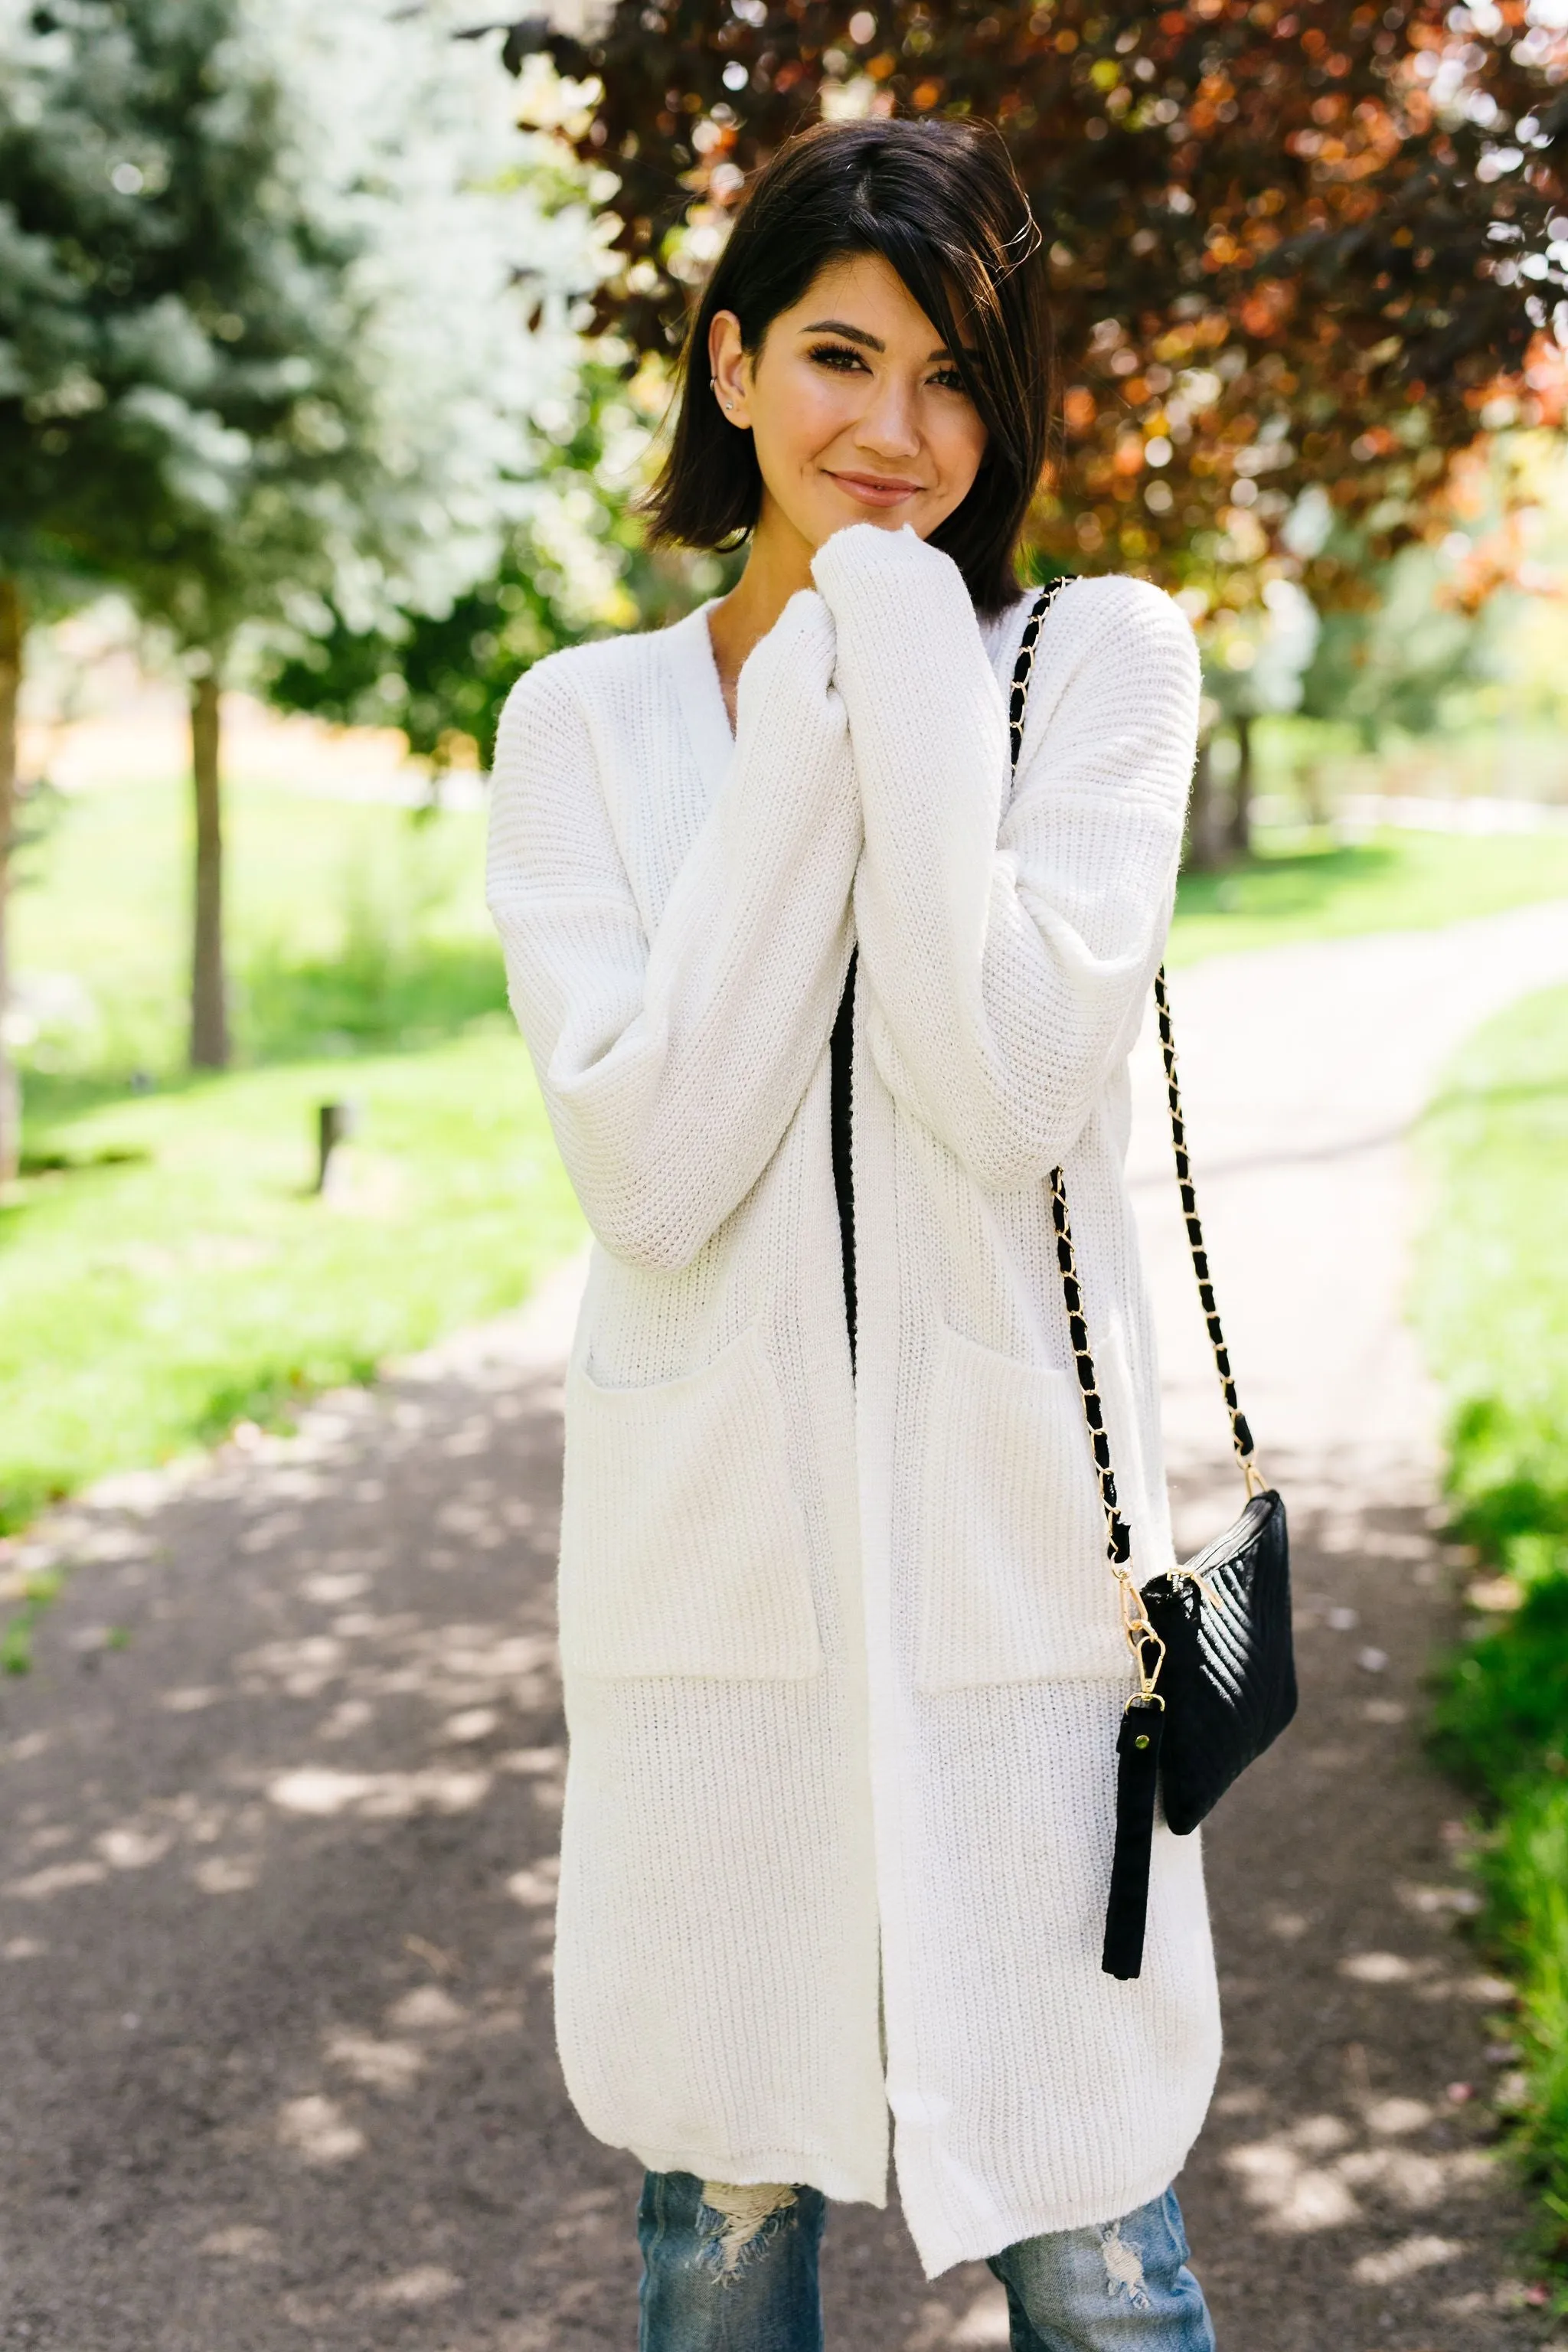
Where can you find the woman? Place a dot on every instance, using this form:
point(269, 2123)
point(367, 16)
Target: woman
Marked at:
point(818, 993)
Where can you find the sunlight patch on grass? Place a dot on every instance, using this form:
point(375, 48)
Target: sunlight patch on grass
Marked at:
point(349, 926)
point(167, 1295)
point(1395, 882)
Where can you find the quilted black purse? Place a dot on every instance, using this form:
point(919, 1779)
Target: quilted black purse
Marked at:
point(1210, 1639)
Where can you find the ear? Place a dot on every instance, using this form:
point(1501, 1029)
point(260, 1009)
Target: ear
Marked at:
point(729, 368)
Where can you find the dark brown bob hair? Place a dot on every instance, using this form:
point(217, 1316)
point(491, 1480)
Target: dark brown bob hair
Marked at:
point(940, 201)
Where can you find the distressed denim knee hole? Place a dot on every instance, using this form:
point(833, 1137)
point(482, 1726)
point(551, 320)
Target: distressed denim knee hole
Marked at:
point(1123, 2267)
point(736, 2218)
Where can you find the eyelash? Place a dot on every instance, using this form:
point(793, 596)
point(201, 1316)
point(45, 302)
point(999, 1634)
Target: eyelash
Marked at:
point(830, 355)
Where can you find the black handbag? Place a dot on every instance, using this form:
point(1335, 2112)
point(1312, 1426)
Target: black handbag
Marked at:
point(1210, 1640)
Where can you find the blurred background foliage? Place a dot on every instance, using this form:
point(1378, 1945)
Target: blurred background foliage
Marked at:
point(569, 565)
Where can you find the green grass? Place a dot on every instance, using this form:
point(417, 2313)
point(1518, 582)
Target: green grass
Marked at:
point(152, 1301)
point(1494, 1293)
point(165, 1268)
point(1395, 882)
point(348, 925)
point(164, 1271)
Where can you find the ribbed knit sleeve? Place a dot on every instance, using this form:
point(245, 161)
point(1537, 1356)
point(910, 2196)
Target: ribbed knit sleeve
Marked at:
point(671, 1064)
point(1007, 942)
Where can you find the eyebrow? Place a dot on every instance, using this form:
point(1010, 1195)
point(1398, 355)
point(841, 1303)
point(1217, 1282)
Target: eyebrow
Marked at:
point(858, 335)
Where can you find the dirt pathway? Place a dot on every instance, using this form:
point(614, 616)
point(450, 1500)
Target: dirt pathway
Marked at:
point(279, 1803)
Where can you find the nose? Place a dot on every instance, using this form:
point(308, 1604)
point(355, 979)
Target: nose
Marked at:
point(887, 427)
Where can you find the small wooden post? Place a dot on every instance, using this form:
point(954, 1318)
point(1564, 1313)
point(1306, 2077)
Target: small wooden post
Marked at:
point(335, 1122)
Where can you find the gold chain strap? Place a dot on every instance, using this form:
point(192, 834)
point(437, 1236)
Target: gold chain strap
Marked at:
point(1147, 1648)
point(1240, 1434)
point(1142, 1638)
point(1024, 668)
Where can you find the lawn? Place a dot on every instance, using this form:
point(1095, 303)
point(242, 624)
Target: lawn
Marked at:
point(1395, 882)
point(1493, 1291)
point(191, 1278)
point(165, 1269)
point(348, 925)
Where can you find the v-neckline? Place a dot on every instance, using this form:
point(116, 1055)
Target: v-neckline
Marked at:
point(689, 648)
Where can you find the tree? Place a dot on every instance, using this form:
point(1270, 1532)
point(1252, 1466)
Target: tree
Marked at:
point(10, 691)
point(174, 345)
point(1402, 662)
point(1254, 665)
point(1293, 243)
point(573, 564)
point(572, 561)
point(294, 366)
point(53, 470)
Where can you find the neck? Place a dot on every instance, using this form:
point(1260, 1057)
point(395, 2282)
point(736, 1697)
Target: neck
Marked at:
point(777, 564)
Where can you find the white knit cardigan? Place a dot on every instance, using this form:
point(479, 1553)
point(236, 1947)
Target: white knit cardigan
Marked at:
point(842, 1655)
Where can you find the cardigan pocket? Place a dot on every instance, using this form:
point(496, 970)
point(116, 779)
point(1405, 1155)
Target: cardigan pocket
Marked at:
point(1013, 1580)
point(683, 1544)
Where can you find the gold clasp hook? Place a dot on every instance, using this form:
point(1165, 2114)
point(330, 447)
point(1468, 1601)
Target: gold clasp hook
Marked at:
point(1140, 1638)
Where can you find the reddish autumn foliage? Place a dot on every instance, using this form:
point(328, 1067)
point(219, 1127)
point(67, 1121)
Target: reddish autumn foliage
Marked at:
point(1296, 242)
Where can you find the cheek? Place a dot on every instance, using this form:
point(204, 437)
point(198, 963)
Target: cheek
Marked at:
point(807, 408)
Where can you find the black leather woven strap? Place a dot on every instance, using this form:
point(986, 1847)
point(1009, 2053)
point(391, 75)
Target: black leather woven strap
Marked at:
point(1024, 668)
point(1117, 1541)
point(1240, 1434)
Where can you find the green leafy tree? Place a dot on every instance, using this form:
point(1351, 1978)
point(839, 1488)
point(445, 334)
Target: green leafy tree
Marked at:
point(1254, 663)
point(58, 459)
point(573, 564)
point(281, 373)
point(10, 691)
point(1401, 661)
point(1445, 623)
point(178, 400)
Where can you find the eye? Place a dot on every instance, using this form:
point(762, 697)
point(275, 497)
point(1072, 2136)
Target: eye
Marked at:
point(841, 356)
point(950, 380)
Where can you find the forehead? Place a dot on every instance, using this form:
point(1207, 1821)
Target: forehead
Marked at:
point(862, 289)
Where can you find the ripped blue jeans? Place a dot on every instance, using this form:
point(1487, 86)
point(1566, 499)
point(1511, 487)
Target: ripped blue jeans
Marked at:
point(734, 2270)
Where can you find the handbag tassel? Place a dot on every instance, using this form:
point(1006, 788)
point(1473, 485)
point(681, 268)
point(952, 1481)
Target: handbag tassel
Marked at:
point(1137, 1781)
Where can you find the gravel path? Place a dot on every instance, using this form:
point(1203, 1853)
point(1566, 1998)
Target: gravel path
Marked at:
point(279, 1803)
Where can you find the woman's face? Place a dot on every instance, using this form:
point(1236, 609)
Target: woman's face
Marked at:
point(855, 409)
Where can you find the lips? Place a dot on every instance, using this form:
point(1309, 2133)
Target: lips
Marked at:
point(875, 490)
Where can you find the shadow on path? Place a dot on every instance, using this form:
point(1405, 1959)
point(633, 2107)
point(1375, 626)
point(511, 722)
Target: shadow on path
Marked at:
point(275, 1917)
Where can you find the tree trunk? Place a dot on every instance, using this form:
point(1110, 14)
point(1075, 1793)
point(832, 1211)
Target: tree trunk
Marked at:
point(209, 996)
point(1240, 827)
point(1205, 847)
point(10, 695)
